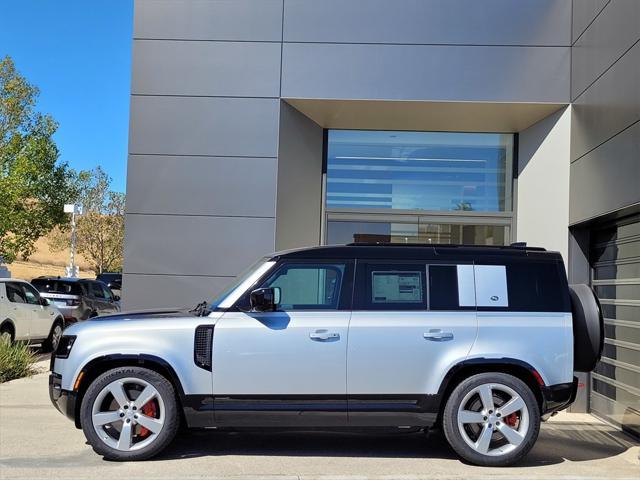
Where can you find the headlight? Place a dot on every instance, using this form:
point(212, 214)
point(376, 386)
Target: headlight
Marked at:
point(64, 346)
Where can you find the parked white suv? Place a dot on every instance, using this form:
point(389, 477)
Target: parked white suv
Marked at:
point(482, 341)
point(25, 316)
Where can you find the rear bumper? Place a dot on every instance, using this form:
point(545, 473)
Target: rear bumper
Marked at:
point(63, 400)
point(558, 397)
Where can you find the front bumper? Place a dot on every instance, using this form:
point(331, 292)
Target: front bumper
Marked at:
point(63, 400)
point(558, 397)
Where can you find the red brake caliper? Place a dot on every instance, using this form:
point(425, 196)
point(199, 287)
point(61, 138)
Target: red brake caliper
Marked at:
point(512, 420)
point(150, 410)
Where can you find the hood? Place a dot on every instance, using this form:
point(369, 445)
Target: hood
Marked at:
point(145, 314)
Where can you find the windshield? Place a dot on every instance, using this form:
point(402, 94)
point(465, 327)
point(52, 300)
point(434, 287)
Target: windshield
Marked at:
point(258, 266)
point(57, 286)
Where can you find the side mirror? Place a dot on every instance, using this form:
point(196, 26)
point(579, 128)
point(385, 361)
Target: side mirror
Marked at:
point(116, 298)
point(265, 299)
point(44, 302)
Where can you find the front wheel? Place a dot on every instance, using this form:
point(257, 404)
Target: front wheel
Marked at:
point(491, 419)
point(51, 343)
point(129, 413)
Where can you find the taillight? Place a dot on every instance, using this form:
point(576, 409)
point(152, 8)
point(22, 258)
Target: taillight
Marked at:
point(73, 302)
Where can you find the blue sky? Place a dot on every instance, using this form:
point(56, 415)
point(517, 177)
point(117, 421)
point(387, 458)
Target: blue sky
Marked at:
point(79, 54)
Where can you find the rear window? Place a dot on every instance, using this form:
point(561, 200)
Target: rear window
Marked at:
point(57, 286)
point(108, 277)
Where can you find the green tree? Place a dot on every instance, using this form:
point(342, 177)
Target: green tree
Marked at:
point(100, 228)
point(34, 186)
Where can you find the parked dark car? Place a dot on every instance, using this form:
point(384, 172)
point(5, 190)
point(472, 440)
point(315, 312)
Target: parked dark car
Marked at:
point(77, 298)
point(113, 280)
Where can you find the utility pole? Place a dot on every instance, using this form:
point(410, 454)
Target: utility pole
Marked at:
point(72, 269)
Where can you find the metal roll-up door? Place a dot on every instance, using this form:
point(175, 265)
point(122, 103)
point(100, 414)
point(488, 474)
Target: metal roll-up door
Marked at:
point(615, 262)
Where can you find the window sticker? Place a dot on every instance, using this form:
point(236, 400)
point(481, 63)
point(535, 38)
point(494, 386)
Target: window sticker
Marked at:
point(396, 287)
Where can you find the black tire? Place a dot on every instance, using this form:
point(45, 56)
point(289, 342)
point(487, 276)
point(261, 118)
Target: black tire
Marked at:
point(452, 430)
point(7, 331)
point(51, 343)
point(588, 328)
point(164, 437)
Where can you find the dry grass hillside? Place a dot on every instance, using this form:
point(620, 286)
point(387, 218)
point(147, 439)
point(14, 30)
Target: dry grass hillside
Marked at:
point(46, 262)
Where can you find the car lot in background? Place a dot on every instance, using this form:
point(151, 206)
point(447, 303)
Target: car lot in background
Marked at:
point(78, 298)
point(26, 316)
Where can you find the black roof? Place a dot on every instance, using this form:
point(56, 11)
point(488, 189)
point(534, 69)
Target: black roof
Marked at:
point(415, 251)
point(63, 279)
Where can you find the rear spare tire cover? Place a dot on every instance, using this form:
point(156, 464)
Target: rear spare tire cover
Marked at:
point(588, 328)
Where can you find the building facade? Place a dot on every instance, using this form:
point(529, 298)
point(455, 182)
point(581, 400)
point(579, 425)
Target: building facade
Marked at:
point(261, 125)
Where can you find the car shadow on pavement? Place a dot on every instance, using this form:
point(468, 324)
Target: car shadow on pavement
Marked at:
point(557, 442)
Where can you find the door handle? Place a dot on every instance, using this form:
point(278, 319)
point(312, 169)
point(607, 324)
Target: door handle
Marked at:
point(437, 335)
point(324, 336)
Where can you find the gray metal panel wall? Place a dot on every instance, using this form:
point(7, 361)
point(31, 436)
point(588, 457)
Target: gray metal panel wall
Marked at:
point(194, 185)
point(167, 67)
point(299, 202)
point(245, 20)
point(606, 94)
point(584, 12)
point(610, 35)
point(453, 22)
point(425, 72)
point(203, 146)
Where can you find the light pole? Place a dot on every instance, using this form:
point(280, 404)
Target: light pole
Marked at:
point(73, 209)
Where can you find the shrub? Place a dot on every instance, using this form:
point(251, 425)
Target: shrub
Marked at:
point(16, 360)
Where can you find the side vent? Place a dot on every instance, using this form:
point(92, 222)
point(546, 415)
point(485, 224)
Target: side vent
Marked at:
point(203, 347)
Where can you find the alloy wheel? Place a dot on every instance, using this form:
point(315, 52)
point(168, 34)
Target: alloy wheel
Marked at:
point(493, 419)
point(128, 414)
point(56, 334)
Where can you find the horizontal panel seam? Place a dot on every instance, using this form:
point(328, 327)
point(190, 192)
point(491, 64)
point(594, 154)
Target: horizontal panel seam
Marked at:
point(178, 95)
point(310, 42)
point(199, 215)
point(605, 141)
point(401, 44)
point(209, 40)
point(605, 71)
point(198, 155)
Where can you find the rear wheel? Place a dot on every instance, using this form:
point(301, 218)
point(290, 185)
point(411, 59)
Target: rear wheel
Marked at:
point(6, 334)
point(129, 413)
point(491, 419)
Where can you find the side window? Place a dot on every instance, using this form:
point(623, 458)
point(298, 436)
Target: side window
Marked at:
point(107, 293)
point(308, 286)
point(451, 287)
point(537, 287)
point(392, 286)
point(96, 290)
point(30, 294)
point(15, 293)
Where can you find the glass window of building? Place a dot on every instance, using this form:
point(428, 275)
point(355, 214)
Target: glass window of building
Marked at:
point(418, 187)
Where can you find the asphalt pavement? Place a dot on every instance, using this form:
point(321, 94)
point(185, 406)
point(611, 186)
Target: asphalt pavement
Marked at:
point(37, 442)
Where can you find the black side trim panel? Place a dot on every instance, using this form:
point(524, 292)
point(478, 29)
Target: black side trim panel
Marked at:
point(280, 410)
point(317, 411)
point(393, 410)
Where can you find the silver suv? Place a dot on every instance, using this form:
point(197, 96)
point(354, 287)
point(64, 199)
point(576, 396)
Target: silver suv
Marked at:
point(480, 341)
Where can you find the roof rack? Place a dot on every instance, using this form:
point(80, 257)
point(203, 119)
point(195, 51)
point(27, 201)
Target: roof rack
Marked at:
point(517, 245)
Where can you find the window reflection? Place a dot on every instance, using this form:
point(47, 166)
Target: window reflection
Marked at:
point(437, 171)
